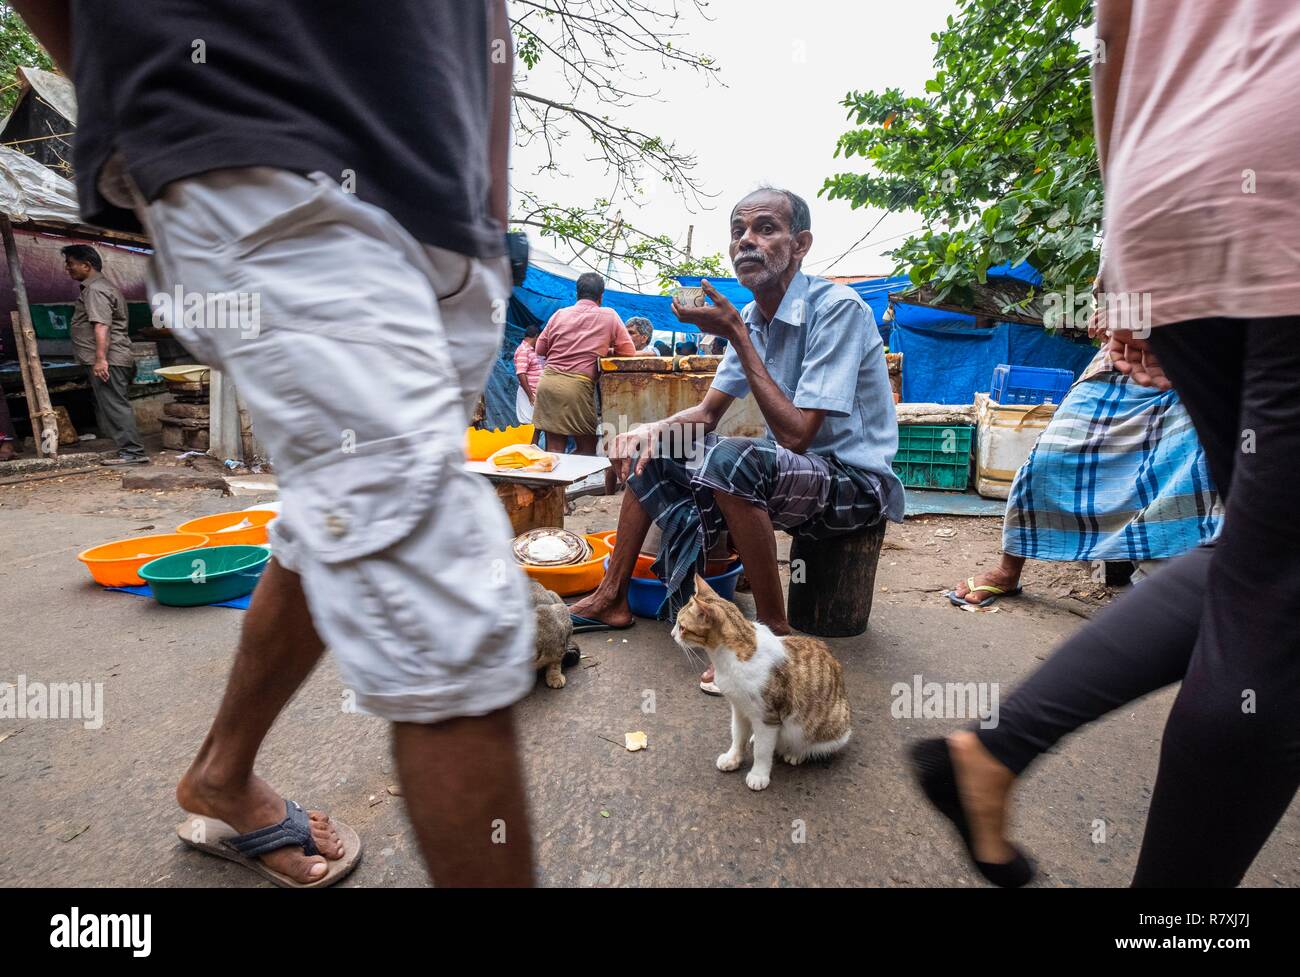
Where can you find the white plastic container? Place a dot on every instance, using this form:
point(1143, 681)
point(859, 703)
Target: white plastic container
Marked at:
point(145, 356)
point(1005, 434)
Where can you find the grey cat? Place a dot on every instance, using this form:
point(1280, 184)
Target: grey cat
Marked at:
point(554, 632)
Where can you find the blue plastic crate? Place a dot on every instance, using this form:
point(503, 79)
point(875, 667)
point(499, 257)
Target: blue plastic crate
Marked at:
point(1029, 384)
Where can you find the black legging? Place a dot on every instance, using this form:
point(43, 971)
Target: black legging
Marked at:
point(1224, 619)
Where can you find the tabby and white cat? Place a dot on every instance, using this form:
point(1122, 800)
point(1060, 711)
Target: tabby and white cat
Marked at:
point(787, 692)
point(553, 635)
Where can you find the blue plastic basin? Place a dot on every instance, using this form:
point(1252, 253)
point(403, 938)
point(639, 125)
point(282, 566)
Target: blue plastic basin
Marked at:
point(645, 595)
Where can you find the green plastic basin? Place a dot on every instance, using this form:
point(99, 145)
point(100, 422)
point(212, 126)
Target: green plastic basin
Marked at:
point(205, 576)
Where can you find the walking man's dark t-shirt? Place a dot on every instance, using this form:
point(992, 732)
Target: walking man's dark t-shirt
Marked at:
point(389, 97)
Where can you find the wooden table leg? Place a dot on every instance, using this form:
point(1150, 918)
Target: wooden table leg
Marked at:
point(532, 506)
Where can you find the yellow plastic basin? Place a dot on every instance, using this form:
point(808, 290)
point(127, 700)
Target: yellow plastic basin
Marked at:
point(117, 564)
point(481, 444)
point(576, 579)
point(213, 526)
point(187, 373)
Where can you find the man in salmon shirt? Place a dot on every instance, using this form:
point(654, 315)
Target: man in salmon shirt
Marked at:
point(573, 341)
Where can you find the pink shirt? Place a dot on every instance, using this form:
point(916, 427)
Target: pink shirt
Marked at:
point(528, 365)
point(1198, 125)
point(579, 335)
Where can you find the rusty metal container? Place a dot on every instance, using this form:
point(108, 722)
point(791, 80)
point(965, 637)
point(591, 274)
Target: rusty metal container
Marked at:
point(639, 389)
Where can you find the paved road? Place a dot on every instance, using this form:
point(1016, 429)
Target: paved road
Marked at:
point(95, 807)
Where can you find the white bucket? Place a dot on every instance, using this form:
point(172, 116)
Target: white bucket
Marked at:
point(1005, 434)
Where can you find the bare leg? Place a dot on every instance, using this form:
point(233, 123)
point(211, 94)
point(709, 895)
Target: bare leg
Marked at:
point(608, 602)
point(278, 649)
point(556, 443)
point(1005, 576)
point(464, 791)
point(1135, 647)
point(985, 787)
point(751, 530)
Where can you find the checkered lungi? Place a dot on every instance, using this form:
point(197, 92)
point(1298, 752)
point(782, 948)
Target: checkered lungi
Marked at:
point(1118, 474)
point(805, 494)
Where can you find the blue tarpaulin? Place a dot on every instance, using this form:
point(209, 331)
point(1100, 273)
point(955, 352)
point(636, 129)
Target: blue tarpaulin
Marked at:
point(946, 361)
point(499, 397)
point(947, 358)
point(542, 293)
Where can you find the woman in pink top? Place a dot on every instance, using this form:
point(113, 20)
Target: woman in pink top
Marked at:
point(1198, 134)
point(572, 342)
point(528, 370)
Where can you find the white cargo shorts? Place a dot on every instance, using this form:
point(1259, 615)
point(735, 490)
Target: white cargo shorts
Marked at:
point(360, 369)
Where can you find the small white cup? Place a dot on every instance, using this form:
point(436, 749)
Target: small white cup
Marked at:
point(689, 296)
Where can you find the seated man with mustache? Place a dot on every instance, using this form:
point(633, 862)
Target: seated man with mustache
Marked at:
point(810, 353)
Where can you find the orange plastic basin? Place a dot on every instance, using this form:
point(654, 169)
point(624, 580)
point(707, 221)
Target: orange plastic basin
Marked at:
point(212, 526)
point(576, 579)
point(644, 561)
point(481, 444)
point(117, 564)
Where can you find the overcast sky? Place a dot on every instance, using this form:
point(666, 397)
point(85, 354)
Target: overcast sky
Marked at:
point(772, 116)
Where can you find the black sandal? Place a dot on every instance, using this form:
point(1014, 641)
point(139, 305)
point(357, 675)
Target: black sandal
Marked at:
point(932, 767)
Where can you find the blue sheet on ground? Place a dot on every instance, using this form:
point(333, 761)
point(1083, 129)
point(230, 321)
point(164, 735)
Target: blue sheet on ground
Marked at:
point(239, 603)
point(925, 502)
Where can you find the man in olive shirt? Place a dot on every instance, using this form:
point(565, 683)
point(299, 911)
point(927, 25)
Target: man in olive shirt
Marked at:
point(99, 341)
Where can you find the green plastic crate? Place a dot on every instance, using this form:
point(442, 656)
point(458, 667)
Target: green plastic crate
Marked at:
point(934, 456)
point(54, 320)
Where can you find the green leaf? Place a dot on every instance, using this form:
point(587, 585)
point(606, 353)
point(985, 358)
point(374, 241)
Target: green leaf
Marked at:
point(1009, 113)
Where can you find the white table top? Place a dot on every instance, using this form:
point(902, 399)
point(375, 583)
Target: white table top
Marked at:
point(569, 469)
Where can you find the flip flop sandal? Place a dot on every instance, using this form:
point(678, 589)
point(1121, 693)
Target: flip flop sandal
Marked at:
point(710, 688)
point(988, 588)
point(581, 625)
point(220, 839)
point(932, 767)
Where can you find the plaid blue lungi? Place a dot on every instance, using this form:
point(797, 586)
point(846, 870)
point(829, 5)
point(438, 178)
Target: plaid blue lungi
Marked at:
point(1118, 474)
point(807, 495)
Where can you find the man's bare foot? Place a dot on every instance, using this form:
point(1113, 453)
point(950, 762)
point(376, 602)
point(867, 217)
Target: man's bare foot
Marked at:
point(985, 788)
point(600, 607)
point(7, 451)
point(997, 577)
point(256, 804)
